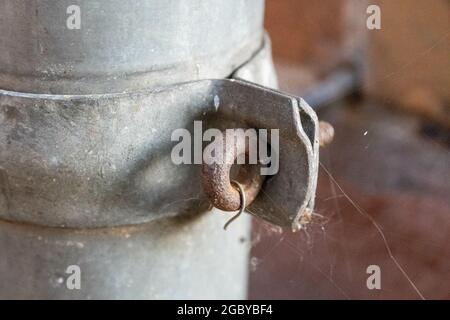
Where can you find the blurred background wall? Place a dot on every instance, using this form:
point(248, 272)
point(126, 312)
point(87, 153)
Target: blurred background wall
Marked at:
point(384, 185)
point(409, 58)
point(405, 63)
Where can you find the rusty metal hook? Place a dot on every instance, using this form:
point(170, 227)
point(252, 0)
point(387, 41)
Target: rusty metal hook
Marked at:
point(243, 204)
point(216, 171)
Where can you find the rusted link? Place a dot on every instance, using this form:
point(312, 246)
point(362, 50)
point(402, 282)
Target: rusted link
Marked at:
point(216, 171)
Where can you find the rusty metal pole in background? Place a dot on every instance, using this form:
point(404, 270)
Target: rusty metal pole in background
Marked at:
point(86, 116)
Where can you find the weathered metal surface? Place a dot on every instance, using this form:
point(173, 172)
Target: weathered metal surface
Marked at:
point(285, 196)
point(109, 161)
point(124, 45)
point(177, 258)
point(97, 160)
point(182, 257)
point(257, 70)
point(86, 118)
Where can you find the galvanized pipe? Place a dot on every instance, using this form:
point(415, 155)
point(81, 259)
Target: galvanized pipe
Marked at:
point(87, 177)
point(85, 171)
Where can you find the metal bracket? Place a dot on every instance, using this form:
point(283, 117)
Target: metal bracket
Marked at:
point(286, 196)
point(102, 160)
